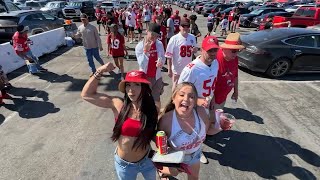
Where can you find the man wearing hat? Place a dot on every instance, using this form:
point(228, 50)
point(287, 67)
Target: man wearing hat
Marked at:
point(202, 72)
point(227, 79)
point(150, 57)
point(20, 44)
point(180, 50)
point(91, 42)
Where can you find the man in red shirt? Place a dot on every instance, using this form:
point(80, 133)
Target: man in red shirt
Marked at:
point(163, 31)
point(139, 24)
point(21, 43)
point(227, 78)
point(176, 20)
point(116, 48)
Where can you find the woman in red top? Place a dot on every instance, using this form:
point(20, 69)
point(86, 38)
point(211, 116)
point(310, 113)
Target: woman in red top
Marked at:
point(116, 47)
point(135, 121)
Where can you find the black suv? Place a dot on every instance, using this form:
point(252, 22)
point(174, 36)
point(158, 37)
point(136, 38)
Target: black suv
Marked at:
point(206, 11)
point(76, 8)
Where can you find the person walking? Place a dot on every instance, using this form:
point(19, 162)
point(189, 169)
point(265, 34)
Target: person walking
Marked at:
point(163, 31)
point(131, 23)
point(185, 125)
point(135, 117)
point(179, 51)
point(169, 24)
point(210, 23)
point(117, 48)
point(194, 30)
point(227, 78)
point(150, 57)
point(176, 20)
point(218, 17)
point(20, 43)
point(202, 72)
point(91, 42)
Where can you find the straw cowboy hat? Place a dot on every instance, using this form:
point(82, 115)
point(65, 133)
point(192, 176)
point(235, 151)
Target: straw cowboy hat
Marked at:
point(232, 42)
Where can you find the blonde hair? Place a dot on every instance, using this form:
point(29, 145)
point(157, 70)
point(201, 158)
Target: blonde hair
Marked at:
point(170, 105)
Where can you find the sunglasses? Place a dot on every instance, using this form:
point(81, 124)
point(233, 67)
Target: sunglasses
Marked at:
point(186, 26)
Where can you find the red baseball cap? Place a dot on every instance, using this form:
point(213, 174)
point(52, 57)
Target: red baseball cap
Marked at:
point(210, 42)
point(133, 76)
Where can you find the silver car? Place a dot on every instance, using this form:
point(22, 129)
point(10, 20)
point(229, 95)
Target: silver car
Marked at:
point(55, 8)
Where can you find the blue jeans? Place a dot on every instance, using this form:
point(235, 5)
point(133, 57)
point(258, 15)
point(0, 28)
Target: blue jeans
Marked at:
point(129, 171)
point(193, 158)
point(90, 53)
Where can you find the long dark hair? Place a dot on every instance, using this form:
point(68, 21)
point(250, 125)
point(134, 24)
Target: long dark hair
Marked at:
point(148, 118)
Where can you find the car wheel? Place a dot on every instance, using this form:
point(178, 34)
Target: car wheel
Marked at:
point(279, 68)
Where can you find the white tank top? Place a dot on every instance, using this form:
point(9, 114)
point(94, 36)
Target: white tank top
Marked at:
point(189, 143)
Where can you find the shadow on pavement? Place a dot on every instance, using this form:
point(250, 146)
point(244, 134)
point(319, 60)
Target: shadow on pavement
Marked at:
point(2, 118)
point(27, 108)
point(244, 114)
point(288, 77)
point(264, 155)
point(45, 58)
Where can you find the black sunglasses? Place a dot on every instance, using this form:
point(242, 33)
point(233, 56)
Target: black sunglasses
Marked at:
point(186, 26)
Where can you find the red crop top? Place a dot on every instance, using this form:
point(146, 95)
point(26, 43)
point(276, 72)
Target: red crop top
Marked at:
point(130, 127)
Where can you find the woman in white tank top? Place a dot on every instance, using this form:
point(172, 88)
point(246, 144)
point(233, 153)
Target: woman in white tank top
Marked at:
point(185, 125)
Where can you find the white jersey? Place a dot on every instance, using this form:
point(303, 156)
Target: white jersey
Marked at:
point(180, 50)
point(202, 76)
point(130, 19)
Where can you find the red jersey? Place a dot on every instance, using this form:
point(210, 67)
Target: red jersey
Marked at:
point(116, 45)
point(139, 20)
point(116, 18)
point(230, 17)
point(98, 14)
point(20, 42)
point(154, 17)
point(104, 16)
point(153, 58)
point(227, 74)
point(163, 35)
point(176, 22)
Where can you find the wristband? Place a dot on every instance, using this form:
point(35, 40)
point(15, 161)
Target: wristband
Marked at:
point(97, 75)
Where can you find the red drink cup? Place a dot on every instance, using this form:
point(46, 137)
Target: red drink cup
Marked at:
point(226, 121)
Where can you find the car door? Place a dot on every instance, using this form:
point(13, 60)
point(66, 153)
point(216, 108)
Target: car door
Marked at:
point(51, 21)
point(35, 23)
point(307, 52)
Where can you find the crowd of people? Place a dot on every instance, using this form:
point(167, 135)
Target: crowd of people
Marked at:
point(200, 84)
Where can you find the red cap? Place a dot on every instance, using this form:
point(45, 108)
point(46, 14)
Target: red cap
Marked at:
point(133, 76)
point(210, 42)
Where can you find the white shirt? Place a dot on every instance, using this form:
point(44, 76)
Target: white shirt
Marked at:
point(180, 50)
point(224, 24)
point(130, 19)
point(143, 58)
point(146, 14)
point(202, 76)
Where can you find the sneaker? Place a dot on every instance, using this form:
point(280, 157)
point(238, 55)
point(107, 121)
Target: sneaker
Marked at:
point(203, 159)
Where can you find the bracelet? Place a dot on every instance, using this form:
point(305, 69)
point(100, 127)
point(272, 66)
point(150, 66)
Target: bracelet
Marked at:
point(97, 75)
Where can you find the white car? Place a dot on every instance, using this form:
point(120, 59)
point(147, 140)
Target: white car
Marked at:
point(124, 4)
point(108, 5)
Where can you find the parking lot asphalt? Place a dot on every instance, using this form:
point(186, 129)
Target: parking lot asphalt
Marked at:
point(48, 132)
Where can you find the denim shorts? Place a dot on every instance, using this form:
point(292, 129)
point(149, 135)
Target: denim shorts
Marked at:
point(129, 171)
point(193, 158)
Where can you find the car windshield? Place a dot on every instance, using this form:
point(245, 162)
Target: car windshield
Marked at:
point(75, 4)
point(257, 11)
point(52, 5)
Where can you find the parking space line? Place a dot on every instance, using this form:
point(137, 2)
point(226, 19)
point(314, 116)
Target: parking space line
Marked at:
point(278, 82)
